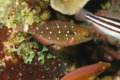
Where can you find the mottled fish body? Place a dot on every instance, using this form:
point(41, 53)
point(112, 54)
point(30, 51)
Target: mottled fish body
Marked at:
point(59, 32)
point(106, 25)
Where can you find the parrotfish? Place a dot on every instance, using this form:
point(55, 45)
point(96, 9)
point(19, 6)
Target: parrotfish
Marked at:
point(88, 72)
point(59, 33)
point(107, 25)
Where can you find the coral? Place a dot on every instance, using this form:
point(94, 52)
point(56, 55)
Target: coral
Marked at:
point(69, 7)
point(5, 6)
point(51, 70)
point(19, 13)
point(42, 57)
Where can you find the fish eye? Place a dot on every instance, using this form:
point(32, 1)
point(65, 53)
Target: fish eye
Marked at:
point(87, 36)
point(71, 32)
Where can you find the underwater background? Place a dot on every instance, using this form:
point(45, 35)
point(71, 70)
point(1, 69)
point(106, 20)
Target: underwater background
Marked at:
point(42, 40)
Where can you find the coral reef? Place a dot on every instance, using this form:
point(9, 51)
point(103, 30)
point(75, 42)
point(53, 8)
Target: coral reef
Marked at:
point(17, 13)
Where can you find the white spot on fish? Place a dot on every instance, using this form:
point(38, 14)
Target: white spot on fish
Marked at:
point(57, 38)
point(59, 64)
point(59, 32)
point(43, 76)
point(40, 35)
point(75, 33)
point(41, 31)
point(72, 26)
point(50, 32)
point(26, 27)
point(36, 28)
point(47, 28)
point(48, 37)
point(66, 38)
point(65, 26)
point(68, 31)
point(58, 26)
point(66, 35)
point(72, 38)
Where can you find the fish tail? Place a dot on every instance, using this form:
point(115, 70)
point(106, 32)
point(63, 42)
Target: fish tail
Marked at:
point(80, 15)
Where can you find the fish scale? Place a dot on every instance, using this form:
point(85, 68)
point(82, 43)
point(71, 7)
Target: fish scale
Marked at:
point(60, 33)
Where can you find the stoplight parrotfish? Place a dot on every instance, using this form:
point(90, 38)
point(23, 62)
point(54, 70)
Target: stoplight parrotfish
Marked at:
point(59, 33)
point(88, 72)
point(107, 25)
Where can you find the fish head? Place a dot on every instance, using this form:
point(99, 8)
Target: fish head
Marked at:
point(82, 35)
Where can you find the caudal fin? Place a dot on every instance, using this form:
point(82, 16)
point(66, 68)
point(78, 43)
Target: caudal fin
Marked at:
point(80, 15)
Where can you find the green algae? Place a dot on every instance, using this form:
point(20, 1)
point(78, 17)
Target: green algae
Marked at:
point(106, 5)
point(17, 13)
